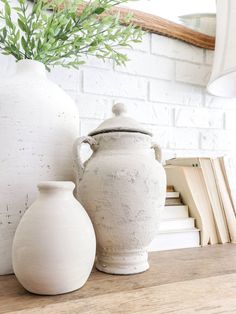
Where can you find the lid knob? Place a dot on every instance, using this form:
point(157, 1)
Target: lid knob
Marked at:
point(119, 123)
point(119, 109)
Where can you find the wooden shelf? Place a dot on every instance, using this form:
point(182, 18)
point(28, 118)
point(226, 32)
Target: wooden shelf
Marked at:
point(158, 25)
point(185, 281)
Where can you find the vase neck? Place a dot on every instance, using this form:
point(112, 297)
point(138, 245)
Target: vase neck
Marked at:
point(32, 67)
point(56, 188)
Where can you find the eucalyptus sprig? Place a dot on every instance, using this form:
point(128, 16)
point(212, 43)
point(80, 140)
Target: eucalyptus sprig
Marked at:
point(55, 32)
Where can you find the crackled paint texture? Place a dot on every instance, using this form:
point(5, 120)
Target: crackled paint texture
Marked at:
point(38, 124)
point(122, 188)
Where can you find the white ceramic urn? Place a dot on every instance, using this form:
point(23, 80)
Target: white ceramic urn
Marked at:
point(54, 245)
point(39, 123)
point(122, 187)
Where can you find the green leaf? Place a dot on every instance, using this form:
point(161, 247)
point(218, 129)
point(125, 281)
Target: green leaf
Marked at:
point(7, 8)
point(4, 32)
point(99, 10)
point(68, 26)
point(18, 35)
point(8, 22)
point(22, 26)
point(32, 43)
point(24, 44)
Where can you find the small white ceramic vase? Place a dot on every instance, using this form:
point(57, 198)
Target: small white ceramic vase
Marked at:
point(54, 244)
point(122, 186)
point(39, 123)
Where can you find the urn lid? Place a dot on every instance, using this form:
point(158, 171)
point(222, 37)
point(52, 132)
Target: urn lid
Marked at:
point(120, 123)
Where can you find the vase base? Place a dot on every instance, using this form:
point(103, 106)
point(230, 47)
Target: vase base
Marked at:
point(123, 263)
point(55, 290)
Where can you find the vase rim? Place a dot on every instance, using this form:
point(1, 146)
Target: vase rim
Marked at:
point(30, 65)
point(54, 185)
point(30, 61)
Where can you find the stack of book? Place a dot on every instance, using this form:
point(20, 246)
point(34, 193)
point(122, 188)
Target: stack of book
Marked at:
point(173, 197)
point(176, 230)
point(208, 186)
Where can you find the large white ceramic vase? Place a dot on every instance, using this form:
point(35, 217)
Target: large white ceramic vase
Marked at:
point(38, 124)
point(54, 244)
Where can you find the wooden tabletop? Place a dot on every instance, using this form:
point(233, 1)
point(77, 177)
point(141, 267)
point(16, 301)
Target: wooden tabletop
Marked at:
point(199, 281)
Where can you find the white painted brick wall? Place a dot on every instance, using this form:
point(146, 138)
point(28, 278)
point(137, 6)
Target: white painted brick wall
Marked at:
point(218, 140)
point(163, 86)
point(111, 83)
point(230, 120)
point(176, 49)
point(199, 118)
point(209, 57)
point(148, 65)
point(197, 74)
point(172, 92)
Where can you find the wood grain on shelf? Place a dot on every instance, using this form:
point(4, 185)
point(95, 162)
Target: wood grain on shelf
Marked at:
point(188, 297)
point(200, 280)
point(158, 25)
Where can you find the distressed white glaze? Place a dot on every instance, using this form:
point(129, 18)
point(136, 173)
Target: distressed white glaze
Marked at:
point(38, 125)
point(54, 244)
point(122, 186)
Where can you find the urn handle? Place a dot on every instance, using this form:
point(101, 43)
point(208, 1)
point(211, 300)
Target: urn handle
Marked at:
point(79, 166)
point(158, 152)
